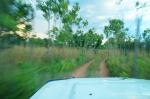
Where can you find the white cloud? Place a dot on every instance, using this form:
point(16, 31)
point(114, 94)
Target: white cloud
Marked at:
point(110, 5)
point(101, 17)
point(130, 16)
point(146, 18)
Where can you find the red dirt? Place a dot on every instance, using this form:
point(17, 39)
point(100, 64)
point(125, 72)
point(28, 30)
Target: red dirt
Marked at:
point(104, 72)
point(81, 71)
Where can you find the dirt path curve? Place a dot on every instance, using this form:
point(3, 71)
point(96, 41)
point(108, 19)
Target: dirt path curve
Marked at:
point(104, 72)
point(81, 71)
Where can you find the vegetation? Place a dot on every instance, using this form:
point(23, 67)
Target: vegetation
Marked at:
point(123, 66)
point(93, 70)
point(25, 71)
point(28, 61)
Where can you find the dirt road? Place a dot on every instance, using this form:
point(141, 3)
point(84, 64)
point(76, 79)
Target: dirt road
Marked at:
point(104, 72)
point(81, 71)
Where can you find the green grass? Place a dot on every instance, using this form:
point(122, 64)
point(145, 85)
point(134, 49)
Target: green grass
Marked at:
point(123, 66)
point(24, 70)
point(94, 68)
point(144, 67)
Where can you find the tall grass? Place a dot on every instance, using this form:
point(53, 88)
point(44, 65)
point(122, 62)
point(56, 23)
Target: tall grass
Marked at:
point(94, 68)
point(121, 65)
point(23, 69)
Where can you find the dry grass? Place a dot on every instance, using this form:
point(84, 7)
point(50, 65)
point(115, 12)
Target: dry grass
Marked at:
point(28, 68)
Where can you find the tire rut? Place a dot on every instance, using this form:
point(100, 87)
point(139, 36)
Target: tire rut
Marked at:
point(104, 72)
point(81, 71)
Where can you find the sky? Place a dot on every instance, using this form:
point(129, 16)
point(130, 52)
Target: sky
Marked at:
point(99, 12)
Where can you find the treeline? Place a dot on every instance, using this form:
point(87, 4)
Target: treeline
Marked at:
point(88, 40)
point(16, 30)
point(68, 28)
point(118, 37)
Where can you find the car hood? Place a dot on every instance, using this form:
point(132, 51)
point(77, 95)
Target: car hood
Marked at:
point(95, 88)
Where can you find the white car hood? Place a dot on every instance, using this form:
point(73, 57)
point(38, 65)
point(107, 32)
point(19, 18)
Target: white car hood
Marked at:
point(95, 88)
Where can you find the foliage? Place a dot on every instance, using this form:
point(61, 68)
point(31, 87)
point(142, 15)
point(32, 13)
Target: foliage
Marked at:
point(29, 71)
point(146, 36)
point(12, 12)
point(69, 19)
point(7, 23)
point(25, 69)
point(122, 66)
point(116, 30)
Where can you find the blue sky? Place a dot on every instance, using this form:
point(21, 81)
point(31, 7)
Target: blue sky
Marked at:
point(98, 12)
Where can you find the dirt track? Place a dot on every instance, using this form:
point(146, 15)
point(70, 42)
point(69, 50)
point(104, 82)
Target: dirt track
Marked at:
point(104, 72)
point(82, 70)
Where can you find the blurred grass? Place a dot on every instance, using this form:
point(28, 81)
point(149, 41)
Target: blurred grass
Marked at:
point(23, 69)
point(121, 65)
point(94, 68)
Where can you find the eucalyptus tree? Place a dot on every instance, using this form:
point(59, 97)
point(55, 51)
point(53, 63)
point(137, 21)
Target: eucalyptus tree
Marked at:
point(146, 36)
point(68, 17)
point(46, 7)
point(84, 26)
point(56, 9)
point(78, 37)
point(92, 39)
point(81, 25)
point(63, 8)
point(70, 20)
point(107, 32)
point(85, 23)
point(116, 30)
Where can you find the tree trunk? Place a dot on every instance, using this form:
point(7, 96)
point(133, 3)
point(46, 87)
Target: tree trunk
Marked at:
point(49, 40)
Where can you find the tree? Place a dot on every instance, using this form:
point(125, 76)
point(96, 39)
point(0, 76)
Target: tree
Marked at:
point(46, 8)
point(56, 9)
point(70, 20)
point(85, 23)
point(7, 22)
point(11, 13)
point(116, 30)
point(92, 39)
point(146, 36)
point(14, 13)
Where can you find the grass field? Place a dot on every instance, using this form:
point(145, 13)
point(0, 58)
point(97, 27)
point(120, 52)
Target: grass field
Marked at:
point(124, 65)
point(24, 70)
